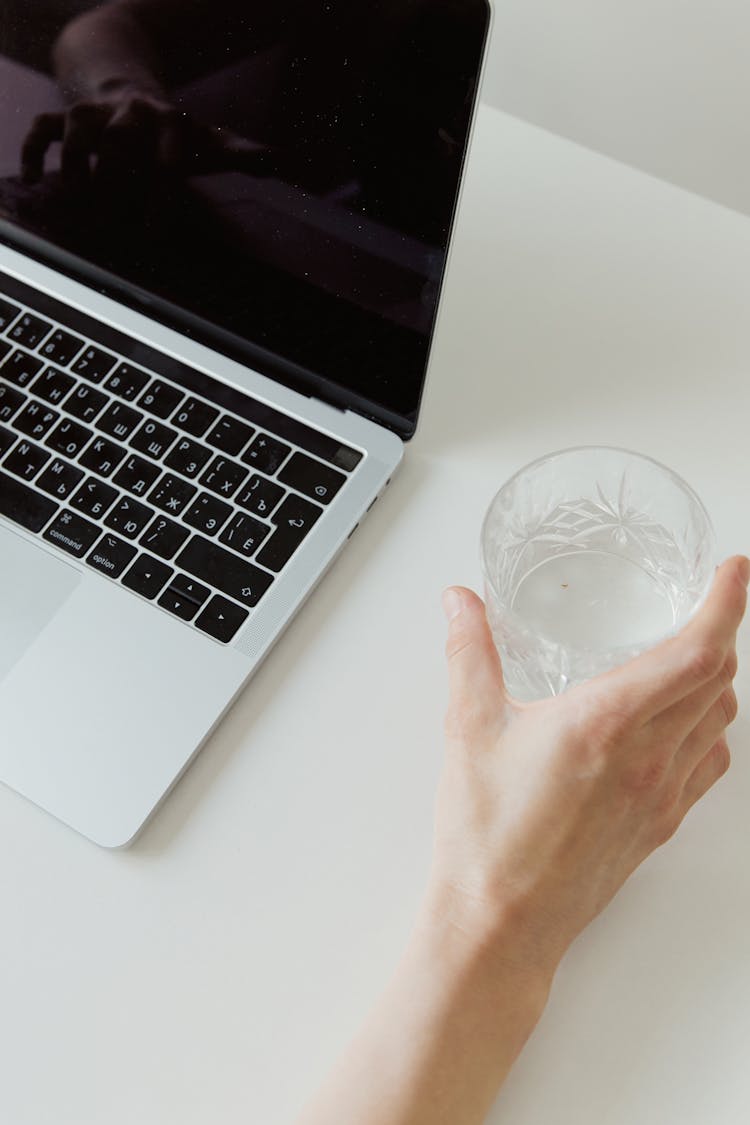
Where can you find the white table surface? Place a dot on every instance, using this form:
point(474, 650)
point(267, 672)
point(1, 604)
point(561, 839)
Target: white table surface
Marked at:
point(212, 972)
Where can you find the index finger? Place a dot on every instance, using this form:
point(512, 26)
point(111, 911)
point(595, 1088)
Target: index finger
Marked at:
point(668, 673)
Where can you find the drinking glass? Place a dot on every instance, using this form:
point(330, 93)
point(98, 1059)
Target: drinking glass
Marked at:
point(590, 556)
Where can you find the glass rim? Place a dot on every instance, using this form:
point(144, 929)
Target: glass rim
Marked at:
point(682, 484)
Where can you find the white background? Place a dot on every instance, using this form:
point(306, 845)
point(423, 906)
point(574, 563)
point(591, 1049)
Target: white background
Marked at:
point(660, 84)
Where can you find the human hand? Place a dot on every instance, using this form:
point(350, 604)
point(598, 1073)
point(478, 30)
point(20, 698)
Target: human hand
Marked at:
point(544, 809)
point(134, 130)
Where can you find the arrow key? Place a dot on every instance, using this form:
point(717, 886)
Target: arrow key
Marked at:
point(146, 576)
point(221, 619)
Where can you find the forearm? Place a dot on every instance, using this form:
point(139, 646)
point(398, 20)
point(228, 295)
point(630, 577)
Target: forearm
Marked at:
point(445, 1033)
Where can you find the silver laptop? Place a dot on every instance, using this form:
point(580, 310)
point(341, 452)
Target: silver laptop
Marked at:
point(222, 242)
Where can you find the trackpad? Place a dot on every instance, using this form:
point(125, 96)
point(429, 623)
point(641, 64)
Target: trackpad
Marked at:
point(33, 586)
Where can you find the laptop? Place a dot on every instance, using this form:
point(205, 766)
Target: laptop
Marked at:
point(222, 243)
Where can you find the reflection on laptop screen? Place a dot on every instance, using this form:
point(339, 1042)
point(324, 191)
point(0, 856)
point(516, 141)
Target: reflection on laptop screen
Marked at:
point(285, 172)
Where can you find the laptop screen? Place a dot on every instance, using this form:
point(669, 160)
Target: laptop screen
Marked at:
point(276, 179)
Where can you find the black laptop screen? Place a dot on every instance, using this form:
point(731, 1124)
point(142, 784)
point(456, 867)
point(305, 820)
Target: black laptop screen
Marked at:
point(276, 178)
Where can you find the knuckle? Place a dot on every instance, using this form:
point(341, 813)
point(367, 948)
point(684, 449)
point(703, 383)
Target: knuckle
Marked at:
point(665, 828)
point(705, 661)
point(647, 779)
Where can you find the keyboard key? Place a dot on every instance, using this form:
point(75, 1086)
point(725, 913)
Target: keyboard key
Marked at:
point(23, 505)
point(4, 349)
point(221, 619)
point(153, 439)
point(227, 572)
point(129, 517)
point(127, 381)
point(266, 454)
point(223, 476)
point(147, 576)
point(53, 385)
point(244, 534)
point(36, 419)
point(68, 438)
point(184, 597)
point(195, 416)
point(161, 399)
point(8, 313)
point(164, 537)
point(29, 330)
point(171, 494)
point(229, 434)
point(10, 401)
point(111, 555)
point(188, 457)
point(94, 497)
point(85, 403)
point(72, 533)
point(20, 367)
point(259, 496)
point(119, 420)
point(26, 460)
point(61, 347)
point(207, 514)
point(7, 439)
point(314, 479)
point(60, 478)
point(293, 520)
point(102, 456)
point(94, 364)
point(137, 475)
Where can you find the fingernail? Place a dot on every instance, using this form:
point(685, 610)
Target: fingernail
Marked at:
point(745, 570)
point(451, 603)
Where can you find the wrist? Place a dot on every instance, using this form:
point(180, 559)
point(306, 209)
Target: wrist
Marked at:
point(497, 942)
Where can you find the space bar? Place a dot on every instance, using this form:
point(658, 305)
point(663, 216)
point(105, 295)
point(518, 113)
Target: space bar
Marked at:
point(21, 504)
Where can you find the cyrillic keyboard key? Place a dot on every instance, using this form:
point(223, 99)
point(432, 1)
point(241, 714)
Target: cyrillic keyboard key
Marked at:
point(23, 505)
point(94, 497)
point(244, 534)
point(259, 496)
point(68, 438)
point(10, 401)
point(225, 571)
point(53, 385)
point(60, 478)
point(36, 419)
point(127, 381)
point(21, 368)
point(26, 459)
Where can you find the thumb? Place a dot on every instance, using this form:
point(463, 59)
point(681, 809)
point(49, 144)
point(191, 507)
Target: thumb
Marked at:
point(475, 673)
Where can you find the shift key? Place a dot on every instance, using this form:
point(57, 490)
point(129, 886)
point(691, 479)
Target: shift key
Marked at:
point(224, 571)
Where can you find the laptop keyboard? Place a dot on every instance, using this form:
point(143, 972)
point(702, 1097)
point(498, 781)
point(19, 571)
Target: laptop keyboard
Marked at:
point(183, 490)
